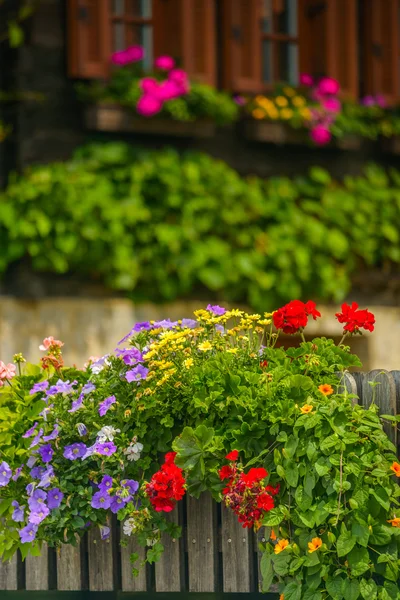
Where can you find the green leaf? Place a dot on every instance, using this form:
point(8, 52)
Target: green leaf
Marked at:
point(361, 533)
point(309, 483)
point(267, 572)
point(335, 588)
point(273, 517)
point(292, 591)
point(15, 34)
point(368, 589)
point(281, 563)
point(345, 543)
point(292, 473)
point(312, 595)
point(359, 561)
point(351, 589)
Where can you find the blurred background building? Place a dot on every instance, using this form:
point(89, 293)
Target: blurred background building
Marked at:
point(244, 47)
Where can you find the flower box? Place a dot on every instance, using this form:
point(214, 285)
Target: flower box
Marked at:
point(272, 133)
point(113, 117)
point(348, 142)
point(391, 145)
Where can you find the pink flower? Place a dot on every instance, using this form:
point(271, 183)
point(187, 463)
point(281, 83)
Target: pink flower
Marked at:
point(130, 55)
point(150, 86)
point(328, 86)
point(178, 75)
point(306, 79)
point(320, 135)
point(148, 105)
point(368, 101)
point(7, 371)
point(119, 58)
point(50, 342)
point(170, 90)
point(166, 63)
point(332, 105)
point(381, 101)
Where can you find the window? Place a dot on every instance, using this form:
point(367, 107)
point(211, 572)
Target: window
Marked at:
point(279, 34)
point(132, 24)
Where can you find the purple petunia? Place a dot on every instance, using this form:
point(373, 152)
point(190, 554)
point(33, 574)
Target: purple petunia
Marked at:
point(117, 503)
point(101, 500)
point(74, 451)
point(36, 439)
point(104, 532)
point(130, 356)
point(82, 429)
point(17, 473)
point(54, 498)
point(105, 484)
point(37, 500)
point(39, 387)
point(165, 324)
point(32, 459)
point(189, 323)
point(36, 517)
point(88, 388)
point(131, 485)
point(90, 450)
point(30, 488)
point(18, 514)
point(216, 310)
point(61, 387)
point(46, 411)
point(144, 326)
point(46, 452)
point(53, 435)
point(105, 405)
point(77, 404)
point(46, 477)
point(5, 474)
point(31, 431)
point(37, 472)
point(28, 533)
point(219, 328)
point(106, 449)
point(136, 374)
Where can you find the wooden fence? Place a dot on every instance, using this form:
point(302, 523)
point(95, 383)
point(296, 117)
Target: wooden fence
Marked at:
point(214, 553)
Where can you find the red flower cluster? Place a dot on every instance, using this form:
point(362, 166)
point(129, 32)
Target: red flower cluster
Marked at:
point(245, 493)
point(166, 486)
point(355, 318)
point(294, 316)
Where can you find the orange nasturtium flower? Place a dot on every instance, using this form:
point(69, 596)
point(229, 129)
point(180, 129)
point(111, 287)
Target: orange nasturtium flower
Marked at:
point(396, 469)
point(281, 545)
point(326, 389)
point(307, 408)
point(395, 522)
point(314, 544)
point(281, 597)
point(272, 535)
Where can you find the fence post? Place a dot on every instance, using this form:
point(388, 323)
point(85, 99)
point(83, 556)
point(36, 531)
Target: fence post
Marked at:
point(379, 386)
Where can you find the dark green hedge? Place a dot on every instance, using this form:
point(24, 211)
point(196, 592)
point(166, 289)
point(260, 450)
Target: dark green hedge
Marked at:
point(159, 225)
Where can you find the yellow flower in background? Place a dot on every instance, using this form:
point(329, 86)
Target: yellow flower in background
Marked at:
point(306, 114)
point(233, 350)
point(307, 408)
point(272, 113)
point(280, 546)
point(298, 101)
point(314, 544)
point(286, 113)
point(266, 103)
point(205, 346)
point(259, 99)
point(258, 113)
point(281, 101)
point(188, 363)
point(289, 91)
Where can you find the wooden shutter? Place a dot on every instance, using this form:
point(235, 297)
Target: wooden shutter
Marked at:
point(89, 38)
point(381, 48)
point(328, 39)
point(186, 30)
point(242, 45)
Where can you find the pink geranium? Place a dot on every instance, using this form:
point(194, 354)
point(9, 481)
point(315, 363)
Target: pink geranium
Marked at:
point(332, 105)
point(150, 86)
point(130, 55)
point(320, 135)
point(170, 90)
point(50, 342)
point(165, 63)
point(149, 105)
point(328, 86)
point(7, 371)
point(306, 79)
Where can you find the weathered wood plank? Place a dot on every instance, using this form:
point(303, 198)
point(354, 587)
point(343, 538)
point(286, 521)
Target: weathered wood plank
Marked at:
point(202, 544)
point(10, 573)
point(37, 571)
point(69, 568)
point(396, 377)
point(169, 569)
point(237, 554)
point(383, 393)
point(102, 562)
point(349, 384)
point(129, 582)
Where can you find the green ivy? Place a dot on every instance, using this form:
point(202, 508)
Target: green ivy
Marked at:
point(158, 225)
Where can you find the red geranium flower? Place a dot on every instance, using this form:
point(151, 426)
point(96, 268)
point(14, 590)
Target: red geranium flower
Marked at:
point(166, 486)
point(265, 501)
point(355, 319)
point(253, 476)
point(225, 472)
point(234, 455)
point(273, 490)
point(294, 316)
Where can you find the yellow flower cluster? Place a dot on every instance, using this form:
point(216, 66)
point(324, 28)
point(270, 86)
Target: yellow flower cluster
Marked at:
point(285, 106)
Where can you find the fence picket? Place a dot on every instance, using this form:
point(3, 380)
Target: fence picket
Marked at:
point(102, 563)
point(202, 544)
point(129, 582)
point(69, 568)
point(37, 571)
point(169, 569)
point(383, 394)
point(348, 383)
point(237, 554)
point(10, 573)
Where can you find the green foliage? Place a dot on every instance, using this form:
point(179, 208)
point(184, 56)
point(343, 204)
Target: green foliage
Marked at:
point(159, 226)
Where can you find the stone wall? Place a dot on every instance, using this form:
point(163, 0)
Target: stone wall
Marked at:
point(93, 327)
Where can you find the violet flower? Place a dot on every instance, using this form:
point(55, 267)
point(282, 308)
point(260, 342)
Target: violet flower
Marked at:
point(37, 500)
point(5, 474)
point(101, 500)
point(106, 449)
point(28, 533)
point(53, 435)
point(31, 431)
point(117, 503)
point(106, 484)
point(216, 310)
point(18, 514)
point(39, 387)
point(136, 374)
point(46, 452)
point(54, 498)
point(36, 517)
point(74, 451)
point(104, 532)
point(106, 404)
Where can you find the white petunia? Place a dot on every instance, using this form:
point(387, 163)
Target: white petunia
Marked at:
point(132, 452)
point(107, 434)
point(129, 526)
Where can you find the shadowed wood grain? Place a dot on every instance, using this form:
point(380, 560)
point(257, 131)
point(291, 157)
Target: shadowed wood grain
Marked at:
point(237, 554)
point(349, 384)
point(102, 562)
point(202, 544)
point(130, 583)
point(378, 386)
point(396, 377)
point(169, 569)
point(9, 573)
point(69, 568)
point(37, 571)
